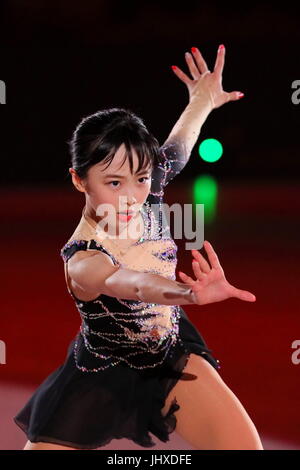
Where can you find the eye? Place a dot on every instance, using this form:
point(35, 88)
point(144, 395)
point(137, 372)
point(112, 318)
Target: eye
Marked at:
point(114, 182)
point(144, 178)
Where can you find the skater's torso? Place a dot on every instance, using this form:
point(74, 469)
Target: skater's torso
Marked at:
point(147, 253)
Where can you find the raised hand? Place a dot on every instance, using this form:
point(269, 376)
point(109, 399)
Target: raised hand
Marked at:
point(211, 284)
point(204, 81)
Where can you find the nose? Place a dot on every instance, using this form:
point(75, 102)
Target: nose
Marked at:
point(131, 200)
point(127, 202)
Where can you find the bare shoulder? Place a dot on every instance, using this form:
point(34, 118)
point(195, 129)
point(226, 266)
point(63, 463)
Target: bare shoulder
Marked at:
point(83, 254)
point(88, 259)
point(88, 271)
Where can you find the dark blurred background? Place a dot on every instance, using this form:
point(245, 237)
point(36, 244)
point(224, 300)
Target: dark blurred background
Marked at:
point(61, 61)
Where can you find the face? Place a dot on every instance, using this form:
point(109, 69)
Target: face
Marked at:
point(117, 187)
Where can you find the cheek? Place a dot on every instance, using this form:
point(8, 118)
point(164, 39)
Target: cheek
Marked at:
point(100, 194)
point(147, 187)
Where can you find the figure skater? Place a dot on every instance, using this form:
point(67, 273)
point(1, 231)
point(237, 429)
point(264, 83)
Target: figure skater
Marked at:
point(137, 363)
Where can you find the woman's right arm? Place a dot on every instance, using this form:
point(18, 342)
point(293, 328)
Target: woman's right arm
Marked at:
point(98, 275)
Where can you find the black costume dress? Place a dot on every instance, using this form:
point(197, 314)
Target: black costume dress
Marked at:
point(127, 354)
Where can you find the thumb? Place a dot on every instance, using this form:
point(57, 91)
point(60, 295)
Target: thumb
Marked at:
point(235, 95)
point(186, 279)
point(245, 295)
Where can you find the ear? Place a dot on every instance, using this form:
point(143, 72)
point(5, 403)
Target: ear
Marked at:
point(78, 183)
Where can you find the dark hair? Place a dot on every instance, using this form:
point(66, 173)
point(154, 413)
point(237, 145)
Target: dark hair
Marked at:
point(98, 136)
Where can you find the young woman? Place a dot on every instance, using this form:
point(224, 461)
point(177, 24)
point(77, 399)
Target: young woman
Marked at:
point(137, 364)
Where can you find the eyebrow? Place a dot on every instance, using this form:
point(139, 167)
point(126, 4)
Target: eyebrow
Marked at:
point(121, 176)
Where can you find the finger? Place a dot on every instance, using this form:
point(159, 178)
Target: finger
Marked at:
point(244, 295)
point(186, 279)
point(219, 64)
point(181, 75)
point(212, 256)
point(197, 271)
point(235, 95)
point(202, 261)
point(199, 60)
point(192, 66)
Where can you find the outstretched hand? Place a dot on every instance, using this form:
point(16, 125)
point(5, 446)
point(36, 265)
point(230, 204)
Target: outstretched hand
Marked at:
point(205, 82)
point(211, 284)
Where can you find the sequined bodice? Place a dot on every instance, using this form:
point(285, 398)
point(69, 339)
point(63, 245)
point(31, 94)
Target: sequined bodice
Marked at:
point(115, 330)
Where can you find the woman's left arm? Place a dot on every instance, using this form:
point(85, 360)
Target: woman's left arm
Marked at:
point(205, 94)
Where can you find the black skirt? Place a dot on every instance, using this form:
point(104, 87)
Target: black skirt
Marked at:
point(86, 411)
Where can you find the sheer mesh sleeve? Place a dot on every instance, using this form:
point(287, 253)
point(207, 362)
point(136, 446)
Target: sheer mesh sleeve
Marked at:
point(172, 159)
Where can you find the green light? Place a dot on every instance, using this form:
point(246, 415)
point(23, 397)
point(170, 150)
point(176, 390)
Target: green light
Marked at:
point(205, 191)
point(210, 150)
